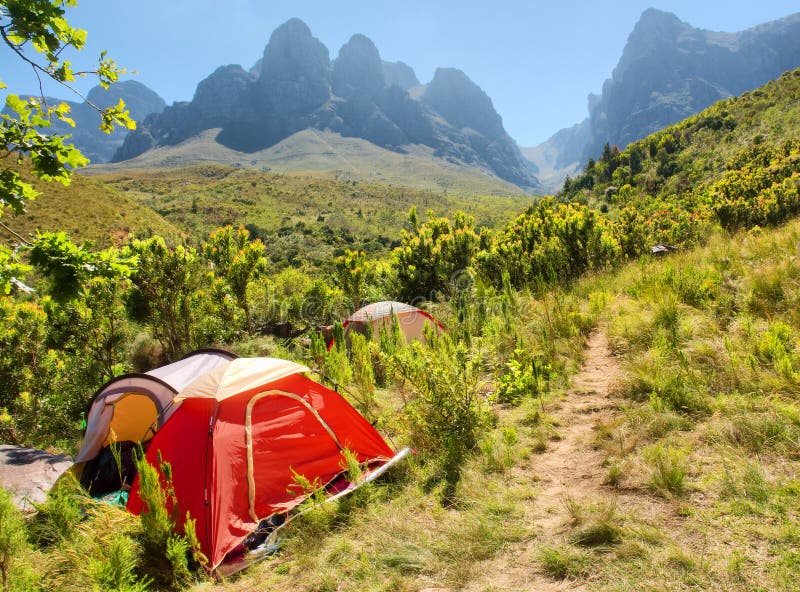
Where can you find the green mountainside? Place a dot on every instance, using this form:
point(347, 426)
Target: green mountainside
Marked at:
point(736, 164)
point(302, 218)
point(86, 209)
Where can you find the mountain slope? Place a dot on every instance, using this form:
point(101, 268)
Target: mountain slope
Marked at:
point(305, 219)
point(296, 87)
point(87, 210)
point(327, 152)
point(100, 147)
point(736, 164)
point(668, 71)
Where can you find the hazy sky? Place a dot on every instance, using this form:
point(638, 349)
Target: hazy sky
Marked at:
point(538, 61)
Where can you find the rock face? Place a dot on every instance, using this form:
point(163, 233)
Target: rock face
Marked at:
point(400, 74)
point(295, 86)
point(295, 70)
point(86, 135)
point(670, 70)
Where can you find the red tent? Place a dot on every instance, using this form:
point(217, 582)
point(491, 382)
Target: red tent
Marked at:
point(239, 435)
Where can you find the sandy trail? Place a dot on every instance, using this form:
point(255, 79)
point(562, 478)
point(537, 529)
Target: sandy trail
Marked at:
point(571, 468)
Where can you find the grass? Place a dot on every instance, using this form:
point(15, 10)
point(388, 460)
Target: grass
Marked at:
point(88, 210)
point(668, 470)
point(564, 562)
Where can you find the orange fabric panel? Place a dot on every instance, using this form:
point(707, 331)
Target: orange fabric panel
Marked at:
point(134, 413)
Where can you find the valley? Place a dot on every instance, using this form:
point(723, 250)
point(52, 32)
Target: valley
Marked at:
point(584, 412)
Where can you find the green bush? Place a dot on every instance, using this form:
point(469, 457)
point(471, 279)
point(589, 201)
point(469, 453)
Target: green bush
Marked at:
point(58, 518)
point(447, 414)
point(525, 376)
point(167, 552)
point(13, 543)
point(116, 569)
point(363, 376)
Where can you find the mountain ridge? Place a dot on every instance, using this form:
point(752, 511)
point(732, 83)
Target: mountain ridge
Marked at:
point(296, 86)
point(670, 70)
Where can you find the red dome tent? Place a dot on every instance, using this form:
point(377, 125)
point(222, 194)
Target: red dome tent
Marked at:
point(239, 435)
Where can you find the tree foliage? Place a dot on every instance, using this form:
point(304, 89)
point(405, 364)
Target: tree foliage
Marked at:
point(38, 33)
point(238, 261)
point(434, 254)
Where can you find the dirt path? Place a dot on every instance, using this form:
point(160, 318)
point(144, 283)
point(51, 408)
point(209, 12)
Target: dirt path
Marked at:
point(570, 469)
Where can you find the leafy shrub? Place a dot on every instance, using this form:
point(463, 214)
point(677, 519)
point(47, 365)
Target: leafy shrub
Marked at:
point(362, 374)
point(58, 518)
point(180, 302)
point(12, 540)
point(447, 413)
point(499, 450)
point(38, 401)
point(116, 570)
point(525, 376)
point(158, 518)
point(432, 254)
point(238, 260)
point(550, 242)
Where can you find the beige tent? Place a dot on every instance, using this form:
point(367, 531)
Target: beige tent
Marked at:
point(378, 315)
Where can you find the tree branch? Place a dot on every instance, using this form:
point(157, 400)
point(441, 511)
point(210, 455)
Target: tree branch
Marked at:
point(24, 241)
point(37, 68)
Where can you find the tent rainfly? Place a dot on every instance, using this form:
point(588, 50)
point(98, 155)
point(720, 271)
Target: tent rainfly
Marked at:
point(379, 315)
point(237, 433)
point(132, 407)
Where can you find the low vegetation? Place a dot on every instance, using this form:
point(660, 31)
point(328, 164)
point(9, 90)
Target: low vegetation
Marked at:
point(304, 219)
point(701, 452)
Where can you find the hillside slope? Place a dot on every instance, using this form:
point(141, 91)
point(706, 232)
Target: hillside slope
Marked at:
point(327, 152)
point(304, 218)
point(87, 210)
point(736, 164)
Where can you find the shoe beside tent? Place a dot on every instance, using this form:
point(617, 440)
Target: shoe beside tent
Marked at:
point(379, 315)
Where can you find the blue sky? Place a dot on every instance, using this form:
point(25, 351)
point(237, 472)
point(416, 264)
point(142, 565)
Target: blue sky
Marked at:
point(538, 61)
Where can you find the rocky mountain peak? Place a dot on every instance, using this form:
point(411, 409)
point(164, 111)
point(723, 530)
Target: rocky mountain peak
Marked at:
point(399, 74)
point(462, 102)
point(358, 69)
point(655, 32)
point(295, 70)
point(294, 87)
point(224, 95)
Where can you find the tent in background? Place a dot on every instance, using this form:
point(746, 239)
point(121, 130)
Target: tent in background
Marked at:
point(379, 315)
